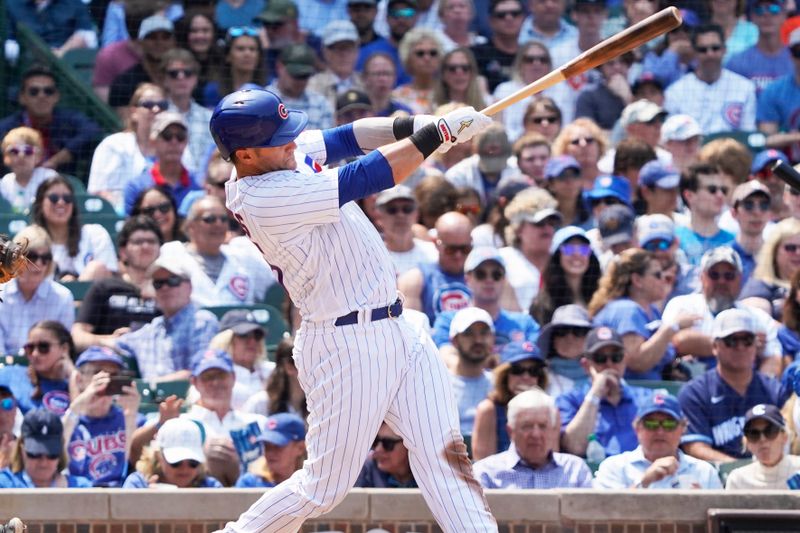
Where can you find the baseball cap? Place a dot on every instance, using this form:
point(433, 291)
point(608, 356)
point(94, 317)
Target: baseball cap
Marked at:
point(747, 189)
point(601, 337)
point(680, 128)
point(494, 149)
point(278, 11)
point(564, 234)
point(181, 439)
point(611, 186)
point(535, 217)
point(647, 77)
point(657, 226)
point(640, 111)
point(616, 224)
point(99, 354)
point(566, 315)
point(765, 157)
point(557, 165)
point(171, 265)
point(732, 321)
point(283, 428)
point(299, 59)
point(720, 254)
point(481, 254)
point(410, 3)
point(656, 174)
point(517, 351)
point(398, 192)
point(212, 358)
point(660, 402)
point(464, 318)
point(42, 432)
point(352, 99)
point(507, 189)
point(164, 120)
point(240, 321)
point(765, 411)
point(794, 37)
point(155, 23)
point(339, 30)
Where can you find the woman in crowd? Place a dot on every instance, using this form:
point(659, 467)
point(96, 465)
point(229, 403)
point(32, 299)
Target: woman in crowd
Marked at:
point(456, 17)
point(123, 156)
point(543, 116)
point(33, 296)
point(561, 342)
point(39, 456)
point(625, 301)
point(521, 368)
point(586, 142)
point(158, 204)
point(571, 275)
point(283, 393)
point(176, 460)
point(195, 32)
point(777, 262)
point(789, 332)
point(563, 179)
point(284, 452)
point(421, 54)
point(243, 63)
point(81, 251)
point(458, 79)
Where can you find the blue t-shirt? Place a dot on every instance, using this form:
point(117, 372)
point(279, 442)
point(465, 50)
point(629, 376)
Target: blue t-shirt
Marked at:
point(748, 261)
point(97, 449)
point(780, 103)
point(442, 291)
point(760, 68)
point(226, 16)
point(138, 481)
point(626, 316)
point(694, 245)
point(790, 343)
point(54, 397)
point(248, 480)
point(716, 411)
point(21, 480)
point(508, 327)
point(469, 392)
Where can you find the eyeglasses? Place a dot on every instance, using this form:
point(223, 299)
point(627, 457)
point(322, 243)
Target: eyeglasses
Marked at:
point(582, 140)
point(657, 245)
point(21, 149)
point(152, 104)
point(706, 49)
point(530, 60)
point(394, 209)
point(162, 208)
point(177, 73)
point(43, 347)
point(544, 121)
point(238, 31)
point(752, 205)
point(716, 276)
point(170, 136)
point(772, 9)
point(47, 91)
point(561, 332)
point(769, 433)
point(42, 455)
point(142, 242)
point(667, 424)
point(430, 53)
point(714, 189)
point(790, 248)
point(54, 198)
point(453, 249)
point(533, 371)
point(732, 341)
point(583, 250)
point(480, 274)
point(8, 404)
point(256, 334)
point(172, 281)
point(507, 14)
point(602, 359)
point(792, 190)
point(405, 13)
point(387, 443)
point(191, 463)
point(44, 258)
point(452, 69)
point(213, 219)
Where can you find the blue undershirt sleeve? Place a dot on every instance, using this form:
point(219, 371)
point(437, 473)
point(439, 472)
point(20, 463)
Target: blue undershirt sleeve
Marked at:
point(368, 175)
point(340, 143)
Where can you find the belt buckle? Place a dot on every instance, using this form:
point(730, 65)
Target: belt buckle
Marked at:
point(389, 308)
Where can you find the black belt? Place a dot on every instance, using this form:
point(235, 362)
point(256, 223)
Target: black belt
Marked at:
point(390, 311)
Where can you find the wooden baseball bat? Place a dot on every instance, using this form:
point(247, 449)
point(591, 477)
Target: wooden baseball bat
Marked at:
point(656, 24)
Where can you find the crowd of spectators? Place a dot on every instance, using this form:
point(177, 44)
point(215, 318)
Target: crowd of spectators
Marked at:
point(611, 272)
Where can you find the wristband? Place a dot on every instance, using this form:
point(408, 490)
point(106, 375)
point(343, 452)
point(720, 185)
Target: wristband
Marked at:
point(403, 127)
point(593, 399)
point(426, 140)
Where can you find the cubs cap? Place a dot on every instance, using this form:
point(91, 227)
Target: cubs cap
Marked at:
point(641, 111)
point(283, 428)
point(42, 432)
point(153, 24)
point(749, 188)
point(481, 254)
point(616, 224)
point(656, 174)
point(557, 165)
point(538, 216)
point(240, 321)
point(765, 411)
point(212, 358)
point(468, 316)
point(352, 99)
point(181, 439)
point(660, 402)
point(680, 128)
point(601, 337)
point(99, 354)
point(611, 186)
point(299, 59)
point(164, 120)
point(338, 31)
point(564, 234)
point(720, 254)
point(765, 157)
point(645, 78)
point(278, 11)
point(732, 321)
point(517, 351)
point(652, 227)
point(398, 192)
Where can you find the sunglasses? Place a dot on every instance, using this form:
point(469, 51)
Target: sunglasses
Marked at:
point(453, 249)
point(752, 205)
point(706, 49)
point(544, 121)
point(213, 219)
point(585, 140)
point(41, 455)
point(507, 14)
point(792, 190)
point(142, 242)
point(48, 91)
point(177, 73)
point(44, 258)
point(608, 200)
point(393, 209)
point(733, 340)
point(714, 189)
point(172, 281)
point(769, 433)
point(152, 104)
point(530, 60)
point(429, 53)
point(533, 371)
point(790, 248)
point(481, 274)
point(657, 245)
point(716, 276)
point(583, 250)
point(657, 274)
point(191, 463)
point(21, 149)
point(54, 198)
point(552, 221)
point(406, 13)
point(602, 359)
point(562, 332)
point(170, 136)
point(238, 31)
point(43, 347)
point(668, 424)
point(452, 69)
point(771, 9)
point(276, 25)
point(387, 443)
point(164, 208)
point(8, 404)
point(254, 335)
point(468, 209)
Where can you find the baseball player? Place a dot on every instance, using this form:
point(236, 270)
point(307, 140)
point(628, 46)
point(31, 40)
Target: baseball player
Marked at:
point(359, 362)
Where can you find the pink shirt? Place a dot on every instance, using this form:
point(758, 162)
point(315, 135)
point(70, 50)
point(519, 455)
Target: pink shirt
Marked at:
point(111, 61)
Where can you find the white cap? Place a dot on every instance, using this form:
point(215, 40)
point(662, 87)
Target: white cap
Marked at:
point(468, 316)
point(640, 111)
point(656, 226)
point(170, 264)
point(680, 128)
point(180, 439)
point(732, 321)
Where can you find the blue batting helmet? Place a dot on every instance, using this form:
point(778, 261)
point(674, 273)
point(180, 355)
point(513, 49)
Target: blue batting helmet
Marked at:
point(253, 118)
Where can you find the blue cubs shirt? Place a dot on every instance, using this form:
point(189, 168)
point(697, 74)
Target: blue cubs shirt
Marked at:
point(55, 393)
point(508, 327)
point(694, 245)
point(97, 449)
point(442, 292)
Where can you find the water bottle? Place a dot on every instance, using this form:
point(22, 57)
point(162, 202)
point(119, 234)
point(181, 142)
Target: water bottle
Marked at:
point(595, 453)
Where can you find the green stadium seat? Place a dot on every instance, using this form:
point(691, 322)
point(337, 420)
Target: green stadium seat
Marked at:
point(77, 185)
point(268, 316)
point(5, 206)
point(672, 387)
point(90, 204)
point(12, 223)
point(8, 360)
point(132, 365)
point(725, 469)
point(77, 288)
point(111, 223)
point(153, 394)
point(755, 141)
point(81, 61)
point(276, 296)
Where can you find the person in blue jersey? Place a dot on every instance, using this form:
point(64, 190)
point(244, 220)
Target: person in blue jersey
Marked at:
point(284, 450)
point(175, 460)
point(39, 457)
point(625, 302)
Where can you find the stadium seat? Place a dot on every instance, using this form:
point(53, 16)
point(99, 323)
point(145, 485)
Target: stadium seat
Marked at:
point(81, 61)
point(8, 360)
point(77, 185)
point(672, 387)
point(276, 296)
point(268, 316)
point(153, 394)
point(11, 223)
point(94, 205)
point(5, 206)
point(725, 469)
point(77, 288)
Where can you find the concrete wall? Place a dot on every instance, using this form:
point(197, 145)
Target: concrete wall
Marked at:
point(398, 511)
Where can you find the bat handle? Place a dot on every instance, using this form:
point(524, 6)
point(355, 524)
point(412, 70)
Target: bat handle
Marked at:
point(786, 173)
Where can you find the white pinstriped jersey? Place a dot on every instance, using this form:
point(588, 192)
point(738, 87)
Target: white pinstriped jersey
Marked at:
point(331, 260)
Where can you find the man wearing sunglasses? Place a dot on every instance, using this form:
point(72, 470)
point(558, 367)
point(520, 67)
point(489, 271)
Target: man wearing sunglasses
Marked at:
point(396, 212)
point(761, 170)
point(495, 58)
point(295, 66)
point(715, 402)
point(387, 466)
point(657, 462)
point(751, 209)
point(605, 406)
point(658, 188)
point(641, 120)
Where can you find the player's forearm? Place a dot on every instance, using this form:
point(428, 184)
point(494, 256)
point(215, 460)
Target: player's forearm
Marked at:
point(403, 157)
point(374, 132)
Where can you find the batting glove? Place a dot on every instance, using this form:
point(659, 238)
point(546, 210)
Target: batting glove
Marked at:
point(461, 125)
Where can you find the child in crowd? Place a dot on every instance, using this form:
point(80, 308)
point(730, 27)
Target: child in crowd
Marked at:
point(23, 153)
